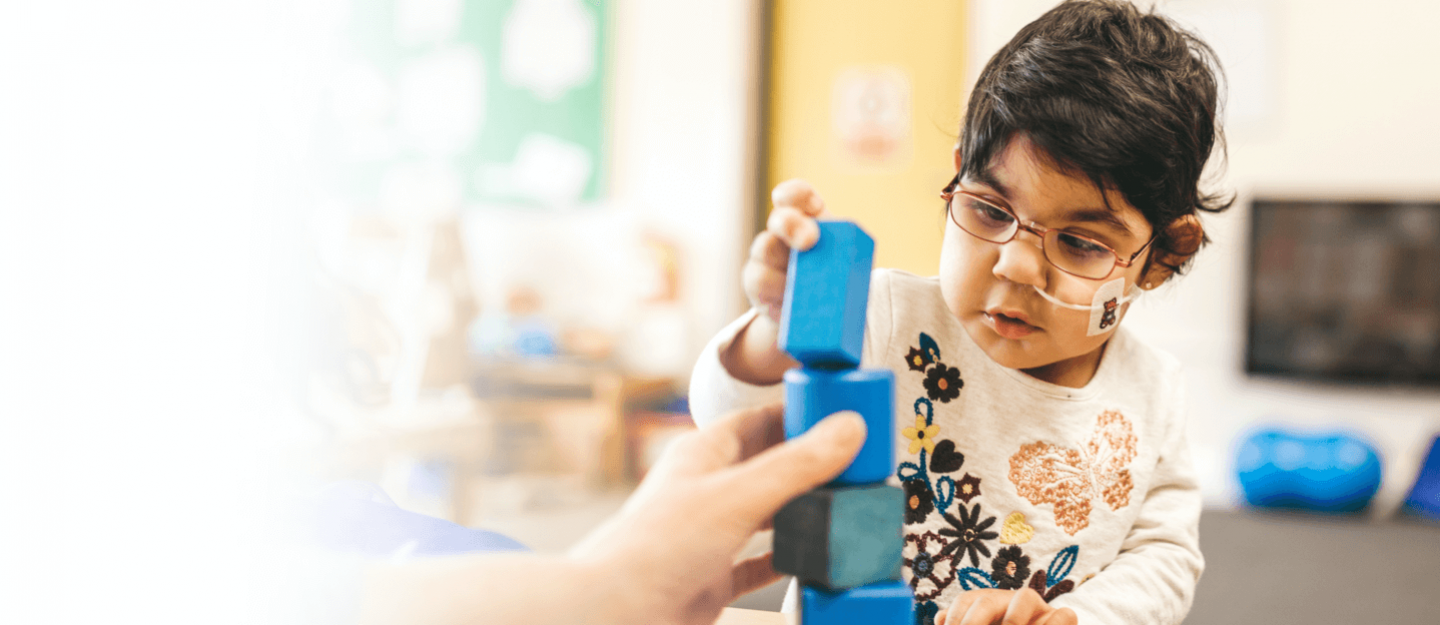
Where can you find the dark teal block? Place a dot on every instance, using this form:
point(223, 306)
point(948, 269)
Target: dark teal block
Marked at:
point(885, 603)
point(822, 322)
point(813, 394)
point(841, 537)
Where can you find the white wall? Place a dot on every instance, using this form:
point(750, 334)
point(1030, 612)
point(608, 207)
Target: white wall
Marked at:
point(684, 139)
point(681, 149)
point(1333, 97)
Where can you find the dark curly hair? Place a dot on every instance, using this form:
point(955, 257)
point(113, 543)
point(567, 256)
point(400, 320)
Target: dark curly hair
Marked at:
point(1123, 97)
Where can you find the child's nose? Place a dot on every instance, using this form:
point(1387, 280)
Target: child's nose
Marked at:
point(1022, 261)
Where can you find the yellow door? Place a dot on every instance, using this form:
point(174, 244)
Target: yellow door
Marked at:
point(865, 104)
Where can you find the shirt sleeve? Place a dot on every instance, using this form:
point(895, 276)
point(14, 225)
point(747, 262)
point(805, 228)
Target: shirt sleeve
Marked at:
point(714, 392)
point(1152, 580)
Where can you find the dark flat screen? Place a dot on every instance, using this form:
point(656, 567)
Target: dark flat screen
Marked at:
point(1345, 291)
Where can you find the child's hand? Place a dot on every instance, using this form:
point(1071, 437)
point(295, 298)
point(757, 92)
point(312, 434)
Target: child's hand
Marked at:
point(791, 225)
point(992, 606)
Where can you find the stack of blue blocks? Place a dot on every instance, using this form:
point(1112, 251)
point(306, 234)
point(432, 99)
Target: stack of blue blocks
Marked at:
point(843, 540)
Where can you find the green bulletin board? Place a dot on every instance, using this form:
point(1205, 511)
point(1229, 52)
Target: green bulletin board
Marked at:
point(467, 103)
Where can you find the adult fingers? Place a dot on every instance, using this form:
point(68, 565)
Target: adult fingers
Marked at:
point(763, 484)
point(752, 574)
point(736, 436)
point(798, 194)
point(758, 430)
point(794, 227)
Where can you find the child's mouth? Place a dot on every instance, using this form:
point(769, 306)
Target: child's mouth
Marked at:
point(1009, 327)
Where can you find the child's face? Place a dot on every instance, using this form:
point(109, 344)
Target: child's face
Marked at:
point(987, 286)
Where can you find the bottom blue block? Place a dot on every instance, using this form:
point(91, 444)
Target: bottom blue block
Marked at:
point(885, 603)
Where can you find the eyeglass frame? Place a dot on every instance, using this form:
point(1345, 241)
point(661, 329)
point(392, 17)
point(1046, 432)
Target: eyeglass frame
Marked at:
point(951, 190)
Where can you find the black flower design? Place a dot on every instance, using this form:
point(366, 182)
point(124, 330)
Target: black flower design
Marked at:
point(969, 534)
point(943, 382)
point(968, 488)
point(930, 572)
point(1038, 584)
point(919, 501)
point(917, 360)
point(1010, 569)
point(925, 612)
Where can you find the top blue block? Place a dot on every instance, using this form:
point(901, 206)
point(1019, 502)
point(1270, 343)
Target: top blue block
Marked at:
point(822, 323)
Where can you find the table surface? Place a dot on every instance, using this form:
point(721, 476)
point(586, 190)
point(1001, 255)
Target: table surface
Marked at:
point(736, 616)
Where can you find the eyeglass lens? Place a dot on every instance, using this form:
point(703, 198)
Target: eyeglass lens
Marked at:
point(1071, 253)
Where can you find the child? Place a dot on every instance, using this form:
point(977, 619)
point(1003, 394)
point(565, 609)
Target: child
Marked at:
point(1042, 449)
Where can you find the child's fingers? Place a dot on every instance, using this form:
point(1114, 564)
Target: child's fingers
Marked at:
point(1025, 607)
point(1063, 616)
point(765, 287)
point(795, 228)
point(798, 194)
point(770, 250)
point(979, 607)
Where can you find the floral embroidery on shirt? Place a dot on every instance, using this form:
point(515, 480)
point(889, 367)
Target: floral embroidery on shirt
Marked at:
point(1015, 531)
point(930, 571)
point(972, 578)
point(925, 612)
point(944, 458)
point(943, 382)
point(1010, 568)
point(917, 360)
point(1037, 583)
point(1062, 564)
point(922, 436)
point(1071, 479)
point(967, 488)
point(1050, 582)
point(929, 347)
point(941, 491)
point(919, 501)
point(969, 534)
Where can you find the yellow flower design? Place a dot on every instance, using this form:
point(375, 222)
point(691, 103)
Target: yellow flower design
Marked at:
point(921, 436)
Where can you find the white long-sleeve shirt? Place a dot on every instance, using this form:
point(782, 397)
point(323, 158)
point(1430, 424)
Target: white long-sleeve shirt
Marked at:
point(1085, 494)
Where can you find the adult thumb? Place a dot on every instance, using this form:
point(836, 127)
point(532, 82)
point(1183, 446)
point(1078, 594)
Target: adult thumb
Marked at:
point(766, 482)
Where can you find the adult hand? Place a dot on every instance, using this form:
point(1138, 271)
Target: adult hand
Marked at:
point(993, 606)
point(791, 225)
point(671, 549)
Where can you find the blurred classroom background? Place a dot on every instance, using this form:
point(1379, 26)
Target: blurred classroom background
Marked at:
point(468, 250)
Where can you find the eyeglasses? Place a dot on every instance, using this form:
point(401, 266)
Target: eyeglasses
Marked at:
point(1074, 254)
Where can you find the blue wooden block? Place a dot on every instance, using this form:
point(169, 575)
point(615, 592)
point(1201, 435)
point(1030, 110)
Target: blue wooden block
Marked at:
point(822, 322)
point(841, 537)
point(813, 394)
point(885, 603)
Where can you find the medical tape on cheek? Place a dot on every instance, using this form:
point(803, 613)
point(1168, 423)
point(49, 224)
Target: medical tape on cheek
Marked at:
point(1104, 308)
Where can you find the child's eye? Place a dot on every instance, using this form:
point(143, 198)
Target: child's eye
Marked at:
point(1080, 247)
point(989, 215)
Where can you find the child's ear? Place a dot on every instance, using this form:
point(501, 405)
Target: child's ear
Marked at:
point(1180, 241)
